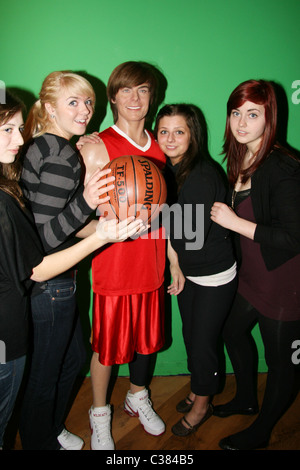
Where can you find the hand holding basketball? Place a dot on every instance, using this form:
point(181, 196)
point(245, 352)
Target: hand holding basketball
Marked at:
point(139, 189)
point(112, 231)
point(99, 184)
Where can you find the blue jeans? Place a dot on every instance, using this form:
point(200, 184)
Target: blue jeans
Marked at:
point(11, 375)
point(57, 358)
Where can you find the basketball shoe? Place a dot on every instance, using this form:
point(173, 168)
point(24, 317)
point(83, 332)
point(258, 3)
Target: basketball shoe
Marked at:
point(139, 405)
point(100, 422)
point(69, 441)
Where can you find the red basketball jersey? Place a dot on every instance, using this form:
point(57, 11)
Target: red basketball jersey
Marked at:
point(132, 266)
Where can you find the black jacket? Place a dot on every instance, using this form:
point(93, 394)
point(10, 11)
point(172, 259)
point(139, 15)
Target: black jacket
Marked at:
point(275, 196)
point(203, 186)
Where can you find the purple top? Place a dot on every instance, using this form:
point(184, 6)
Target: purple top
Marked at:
point(276, 293)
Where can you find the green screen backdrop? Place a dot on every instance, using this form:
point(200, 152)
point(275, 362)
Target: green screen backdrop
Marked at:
point(204, 49)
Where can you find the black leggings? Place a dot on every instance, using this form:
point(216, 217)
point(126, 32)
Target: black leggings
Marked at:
point(139, 369)
point(277, 337)
point(203, 311)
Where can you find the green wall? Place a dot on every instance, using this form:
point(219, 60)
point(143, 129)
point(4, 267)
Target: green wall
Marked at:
point(203, 48)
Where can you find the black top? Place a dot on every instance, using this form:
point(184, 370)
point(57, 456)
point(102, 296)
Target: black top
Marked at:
point(203, 186)
point(20, 252)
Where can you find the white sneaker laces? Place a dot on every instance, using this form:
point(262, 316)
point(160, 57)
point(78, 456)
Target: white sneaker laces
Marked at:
point(147, 410)
point(102, 431)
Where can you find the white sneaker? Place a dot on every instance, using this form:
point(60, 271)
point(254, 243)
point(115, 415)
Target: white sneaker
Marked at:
point(100, 419)
point(139, 405)
point(69, 441)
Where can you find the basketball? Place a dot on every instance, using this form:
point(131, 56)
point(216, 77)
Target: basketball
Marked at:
point(139, 189)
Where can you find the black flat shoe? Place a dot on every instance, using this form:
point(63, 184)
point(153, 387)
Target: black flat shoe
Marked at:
point(184, 406)
point(180, 430)
point(222, 412)
point(228, 444)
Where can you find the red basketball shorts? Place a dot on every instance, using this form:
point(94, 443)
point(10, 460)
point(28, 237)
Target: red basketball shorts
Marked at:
point(123, 325)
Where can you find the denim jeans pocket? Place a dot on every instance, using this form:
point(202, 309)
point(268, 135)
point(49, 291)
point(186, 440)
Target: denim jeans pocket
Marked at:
point(60, 291)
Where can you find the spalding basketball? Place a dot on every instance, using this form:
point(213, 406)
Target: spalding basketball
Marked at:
point(139, 189)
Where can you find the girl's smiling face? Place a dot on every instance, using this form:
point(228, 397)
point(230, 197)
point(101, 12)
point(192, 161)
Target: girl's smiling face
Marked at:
point(173, 136)
point(71, 114)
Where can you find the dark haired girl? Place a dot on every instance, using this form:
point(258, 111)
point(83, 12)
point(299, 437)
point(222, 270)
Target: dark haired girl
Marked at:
point(209, 271)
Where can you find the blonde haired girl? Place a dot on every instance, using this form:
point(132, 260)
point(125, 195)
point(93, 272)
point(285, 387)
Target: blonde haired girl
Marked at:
point(61, 204)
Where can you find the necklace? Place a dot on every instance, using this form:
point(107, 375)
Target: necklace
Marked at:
point(238, 183)
point(233, 196)
point(244, 191)
point(234, 192)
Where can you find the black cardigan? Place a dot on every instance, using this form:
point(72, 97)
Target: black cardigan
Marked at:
point(275, 196)
point(20, 252)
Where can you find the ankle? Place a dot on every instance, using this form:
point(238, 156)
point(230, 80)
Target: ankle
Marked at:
point(98, 405)
point(191, 396)
point(201, 403)
point(136, 389)
point(195, 415)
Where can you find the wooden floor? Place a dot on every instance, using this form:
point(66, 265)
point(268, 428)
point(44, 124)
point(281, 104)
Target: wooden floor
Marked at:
point(166, 392)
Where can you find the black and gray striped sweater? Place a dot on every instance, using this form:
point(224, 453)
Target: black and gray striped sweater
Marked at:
point(51, 182)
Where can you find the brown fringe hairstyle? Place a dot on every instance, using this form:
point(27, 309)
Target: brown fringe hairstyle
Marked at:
point(130, 74)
